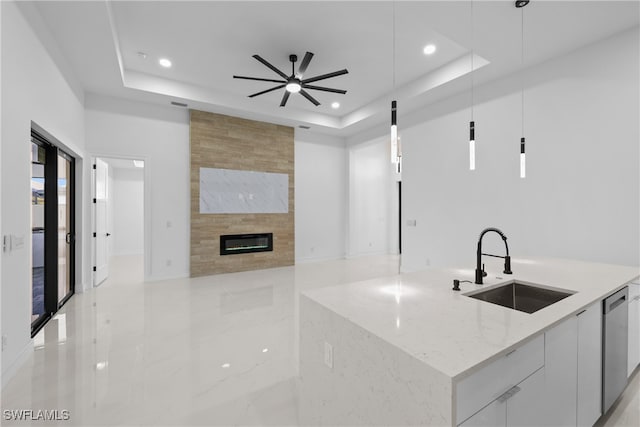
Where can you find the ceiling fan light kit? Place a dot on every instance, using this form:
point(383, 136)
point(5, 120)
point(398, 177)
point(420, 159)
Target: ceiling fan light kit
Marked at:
point(295, 83)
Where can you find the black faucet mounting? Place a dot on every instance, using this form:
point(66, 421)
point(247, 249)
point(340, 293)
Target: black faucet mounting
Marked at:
point(479, 267)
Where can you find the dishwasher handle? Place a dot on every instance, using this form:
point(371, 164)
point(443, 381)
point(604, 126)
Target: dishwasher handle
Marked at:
point(616, 300)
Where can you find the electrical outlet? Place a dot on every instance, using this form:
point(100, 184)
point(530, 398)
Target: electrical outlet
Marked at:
point(427, 261)
point(328, 355)
point(4, 342)
point(168, 263)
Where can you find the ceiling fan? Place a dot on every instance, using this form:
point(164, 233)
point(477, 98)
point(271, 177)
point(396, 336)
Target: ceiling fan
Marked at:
point(295, 83)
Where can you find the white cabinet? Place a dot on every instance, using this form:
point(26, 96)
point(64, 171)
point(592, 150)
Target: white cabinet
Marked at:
point(589, 400)
point(553, 380)
point(573, 369)
point(492, 415)
point(526, 408)
point(519, 406)
point(497, 381)
point(560, 363)
point(634, 328)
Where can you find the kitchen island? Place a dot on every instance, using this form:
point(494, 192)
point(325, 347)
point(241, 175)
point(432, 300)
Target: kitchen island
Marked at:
point(408, 350)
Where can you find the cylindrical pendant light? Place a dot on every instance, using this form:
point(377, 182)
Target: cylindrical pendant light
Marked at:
point(472, 145)
point(472, 124)
point(394, 132)
point(523, 160)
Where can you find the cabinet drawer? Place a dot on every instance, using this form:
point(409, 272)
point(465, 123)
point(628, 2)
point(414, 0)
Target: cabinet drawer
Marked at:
point(490, 382)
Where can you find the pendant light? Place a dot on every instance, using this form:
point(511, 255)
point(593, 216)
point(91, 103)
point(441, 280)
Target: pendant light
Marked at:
point(523, 160)
point(472, 124)
point(395, 157)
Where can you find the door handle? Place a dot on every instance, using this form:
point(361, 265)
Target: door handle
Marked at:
point(67, 238)
point(621, 300)
point(108, 234)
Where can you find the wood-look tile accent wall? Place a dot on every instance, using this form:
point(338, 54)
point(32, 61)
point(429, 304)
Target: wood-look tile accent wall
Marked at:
point(225, 142)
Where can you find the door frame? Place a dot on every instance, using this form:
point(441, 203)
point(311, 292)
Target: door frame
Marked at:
point(52, 150)
point(71, 190)
point(146, 212)
point(94, 216)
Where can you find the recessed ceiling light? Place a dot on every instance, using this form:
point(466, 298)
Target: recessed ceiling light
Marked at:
point(138, 163)
point(226, 365)
point(429, 49)
point(142, 55)
point(165, 62)
point(335, 105)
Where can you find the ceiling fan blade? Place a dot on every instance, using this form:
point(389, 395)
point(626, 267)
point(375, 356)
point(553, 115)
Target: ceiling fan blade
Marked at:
point(325, 76)
point(285, 98)
point(280, 73)
point(266, 91)
point(309, 97)
point(304, 64)
point(326, 89)
point(259, 79)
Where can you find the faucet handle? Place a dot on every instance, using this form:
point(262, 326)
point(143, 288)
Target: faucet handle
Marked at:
point(484, 273)
point(507, 265)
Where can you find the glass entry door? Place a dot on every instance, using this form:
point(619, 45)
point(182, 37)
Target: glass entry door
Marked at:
point(65, 227)
point(38, 162)
point(52, 229)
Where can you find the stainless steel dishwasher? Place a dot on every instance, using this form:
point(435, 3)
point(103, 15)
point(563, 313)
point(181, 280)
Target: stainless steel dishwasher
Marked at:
point(614, 347)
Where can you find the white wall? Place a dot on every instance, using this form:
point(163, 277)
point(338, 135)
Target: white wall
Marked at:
point(33, 89)
point(372, 199)
point(320, 195)
point(128, 211)
point(159, 136)
point(580, 198)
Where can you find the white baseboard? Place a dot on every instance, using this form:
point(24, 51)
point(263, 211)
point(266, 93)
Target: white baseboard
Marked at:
point(153, 278)
point(361, 255)
point(306, 260)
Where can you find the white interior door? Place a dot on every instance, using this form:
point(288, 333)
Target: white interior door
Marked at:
point(101, 222)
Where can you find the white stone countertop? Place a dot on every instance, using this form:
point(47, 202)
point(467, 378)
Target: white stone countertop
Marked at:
point(420, 313)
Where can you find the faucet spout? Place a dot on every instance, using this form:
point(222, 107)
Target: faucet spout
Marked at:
point(480, 273)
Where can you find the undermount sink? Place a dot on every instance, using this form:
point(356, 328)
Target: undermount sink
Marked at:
point(520, 296)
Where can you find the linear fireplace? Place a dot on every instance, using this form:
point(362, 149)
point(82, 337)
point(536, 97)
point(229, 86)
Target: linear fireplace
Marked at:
point(245, 243)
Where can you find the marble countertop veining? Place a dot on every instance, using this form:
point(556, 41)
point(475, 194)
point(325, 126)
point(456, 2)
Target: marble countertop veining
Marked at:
point(420, 314)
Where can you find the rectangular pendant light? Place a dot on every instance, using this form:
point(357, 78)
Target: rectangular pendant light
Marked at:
point(394, 134)
point(523, 160)
point(472, 146)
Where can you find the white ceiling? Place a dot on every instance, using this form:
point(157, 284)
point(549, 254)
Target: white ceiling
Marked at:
point(122, 163)
point(210, 41)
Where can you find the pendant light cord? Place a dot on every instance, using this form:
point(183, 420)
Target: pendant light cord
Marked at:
point(472, 53)
point(522, 66)
point(393, 48)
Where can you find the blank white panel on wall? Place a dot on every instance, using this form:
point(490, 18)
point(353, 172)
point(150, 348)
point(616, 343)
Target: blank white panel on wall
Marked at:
point(227, 191)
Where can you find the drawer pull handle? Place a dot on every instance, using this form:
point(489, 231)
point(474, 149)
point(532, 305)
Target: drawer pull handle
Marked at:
point(510, 353)
point(581, 312)
point(508, 394)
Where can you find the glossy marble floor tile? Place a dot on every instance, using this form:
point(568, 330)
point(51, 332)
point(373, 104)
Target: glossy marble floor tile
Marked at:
point(217, 350)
